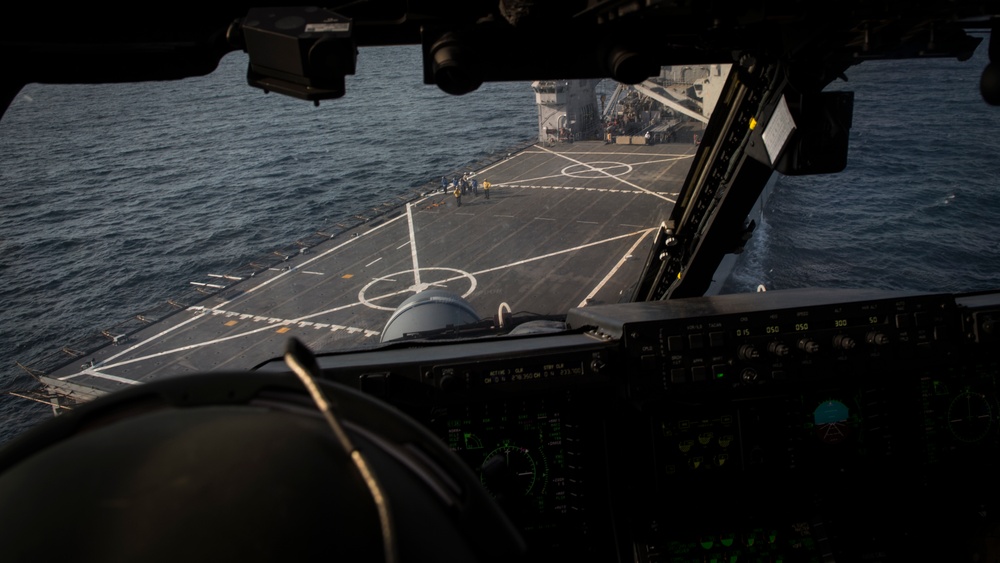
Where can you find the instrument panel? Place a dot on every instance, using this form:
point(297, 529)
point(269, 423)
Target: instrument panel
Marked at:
point(779, 426)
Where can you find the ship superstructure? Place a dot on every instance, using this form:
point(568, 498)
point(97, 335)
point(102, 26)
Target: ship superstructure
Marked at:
point(567, 110)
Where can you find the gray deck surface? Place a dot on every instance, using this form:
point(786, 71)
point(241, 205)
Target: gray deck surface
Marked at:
point(565, 226)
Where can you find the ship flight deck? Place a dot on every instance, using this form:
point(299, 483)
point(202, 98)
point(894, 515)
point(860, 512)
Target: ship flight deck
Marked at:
point(564, 226)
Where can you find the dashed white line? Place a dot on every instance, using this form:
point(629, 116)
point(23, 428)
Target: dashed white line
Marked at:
point(271, 322)
point(578, 188)
point(589, 153)
point(373, 261)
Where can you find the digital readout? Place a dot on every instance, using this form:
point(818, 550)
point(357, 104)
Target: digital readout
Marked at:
point(527, 373)
point(802, 325)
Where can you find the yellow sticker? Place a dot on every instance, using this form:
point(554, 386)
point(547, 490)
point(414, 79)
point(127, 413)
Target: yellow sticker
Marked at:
point(231, 323)
point(753, 123)
point(284, 329)
point(347, 276)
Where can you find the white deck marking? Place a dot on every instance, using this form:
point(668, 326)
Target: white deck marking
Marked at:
point(413, 248)
point(362, 298)
point(606, 190)
point(511, 265)
point(620, 263)
point(407, 243)
point(526, 260)
point(301, 322)
point(373, 261)
point(142, 343)
point(313, 273)
point(667, 157)
point(607, 174)
point(159, 335)
point(550, 176)
point(606, 168)
point(271, 323)
point(90, 372)
point(585, 153)
point(558, 252)
point(317, 257)
point(673, 159)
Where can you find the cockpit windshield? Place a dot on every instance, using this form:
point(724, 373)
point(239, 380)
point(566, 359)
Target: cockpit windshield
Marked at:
point(738, 258)
point(207, 199)
point(203, 198)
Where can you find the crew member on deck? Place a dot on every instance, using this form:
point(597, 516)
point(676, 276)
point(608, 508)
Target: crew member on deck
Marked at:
point(486, 188)
point(458, 197)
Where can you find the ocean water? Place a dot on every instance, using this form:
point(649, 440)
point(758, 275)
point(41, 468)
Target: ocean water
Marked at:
point(114, 197)
point(916, 207)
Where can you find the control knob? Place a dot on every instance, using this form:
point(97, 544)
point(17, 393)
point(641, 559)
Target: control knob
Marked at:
point(808, 345)
point(748, 352)
point(843, 342)
point(877, 338)
point(778, 349)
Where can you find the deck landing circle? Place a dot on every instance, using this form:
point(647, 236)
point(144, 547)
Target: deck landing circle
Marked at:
point(439, 281)
point(601, 169)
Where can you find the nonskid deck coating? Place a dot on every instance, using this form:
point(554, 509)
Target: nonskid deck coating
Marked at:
point(564, 227)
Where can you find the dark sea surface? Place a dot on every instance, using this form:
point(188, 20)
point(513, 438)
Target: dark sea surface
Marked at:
point(115, 197)
point(918, 204)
